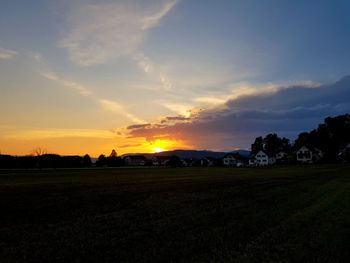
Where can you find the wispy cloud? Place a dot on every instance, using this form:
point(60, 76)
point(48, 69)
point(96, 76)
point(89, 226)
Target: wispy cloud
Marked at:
point(146, 65)
point(105, 31)
point(106, 104)
point(153, 20)
point(68, 84)
point(32, 134)
point(7, 53)
point(116, 107)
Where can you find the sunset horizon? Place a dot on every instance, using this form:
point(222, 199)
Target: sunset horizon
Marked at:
point(85, 77)
point(174, 131)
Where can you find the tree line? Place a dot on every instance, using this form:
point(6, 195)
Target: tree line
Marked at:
point(331, 137)
point(44, 161)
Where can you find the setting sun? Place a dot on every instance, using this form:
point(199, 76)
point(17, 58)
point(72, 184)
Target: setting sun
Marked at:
point(161, 145)
point(158, 150)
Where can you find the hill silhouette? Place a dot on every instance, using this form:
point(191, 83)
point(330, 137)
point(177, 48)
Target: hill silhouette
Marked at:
point(196, 154)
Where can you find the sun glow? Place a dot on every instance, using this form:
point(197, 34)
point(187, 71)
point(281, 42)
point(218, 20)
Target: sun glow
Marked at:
point(157, 149)
point(161, 145)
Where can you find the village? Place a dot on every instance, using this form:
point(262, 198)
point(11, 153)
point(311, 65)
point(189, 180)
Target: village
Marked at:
point(328, 143)
point(303, 155)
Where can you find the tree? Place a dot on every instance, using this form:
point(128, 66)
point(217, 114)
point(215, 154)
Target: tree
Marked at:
point(257, 145)
point(330, 137)
point(174, 161)
point(87, 161)
point(271, 144)
point(39, 151)
point(113, 153)
point(113, 160)
point(101, 161)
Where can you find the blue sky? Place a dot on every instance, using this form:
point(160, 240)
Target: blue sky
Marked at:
point(75, 74)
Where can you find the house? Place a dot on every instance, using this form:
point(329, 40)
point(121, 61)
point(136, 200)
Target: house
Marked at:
point(135, 160)
point(208, 161)
point(252, 161)
point(304, 155)
point(160, 160)
point(233, 160)
point(263, 159)
point(187, 162)
point(309, 155)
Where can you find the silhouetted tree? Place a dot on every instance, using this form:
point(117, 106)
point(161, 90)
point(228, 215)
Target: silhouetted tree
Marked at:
point(113, 160)
point(7, 161)
point(174, 161)
point(39, 151)
point(274, 144)
point(101, 161)
point(329, 137)
point(271, 144)
point(49, 161)
point(113, 153)
point(257, 145)
point(285, 145)
point(87, 160)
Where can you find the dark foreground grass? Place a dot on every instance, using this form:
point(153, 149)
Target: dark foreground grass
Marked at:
point(286, 214)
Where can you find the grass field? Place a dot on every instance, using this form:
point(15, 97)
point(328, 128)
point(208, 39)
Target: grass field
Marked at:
point(285, 214)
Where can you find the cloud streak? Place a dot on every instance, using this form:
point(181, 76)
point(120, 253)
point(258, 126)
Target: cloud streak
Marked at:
point(147, 66)
point(32, 134)
point(68, 84)
point(106, 104)
point(7, 54)
point(116, 107)
point(105, 31)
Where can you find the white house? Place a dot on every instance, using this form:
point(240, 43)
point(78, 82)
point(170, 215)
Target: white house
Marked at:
point(304, 155)
point(208, 161)
point(252, 161)
point(229, 160)
point(187, 162)
point(263, 159)
point(232, 160)
point(160, 160)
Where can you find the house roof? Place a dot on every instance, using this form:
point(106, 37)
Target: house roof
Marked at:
point(303, 148)
point(264, 152)
point(312, 149)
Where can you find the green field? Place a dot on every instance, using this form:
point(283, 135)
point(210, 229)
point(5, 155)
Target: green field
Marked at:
point(285, 214)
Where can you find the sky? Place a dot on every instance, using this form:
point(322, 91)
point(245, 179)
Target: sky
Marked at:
point(83, 76)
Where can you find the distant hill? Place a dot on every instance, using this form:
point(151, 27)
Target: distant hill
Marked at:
point(196, 154)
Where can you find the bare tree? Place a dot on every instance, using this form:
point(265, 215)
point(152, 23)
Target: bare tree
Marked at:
point(39, 151)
